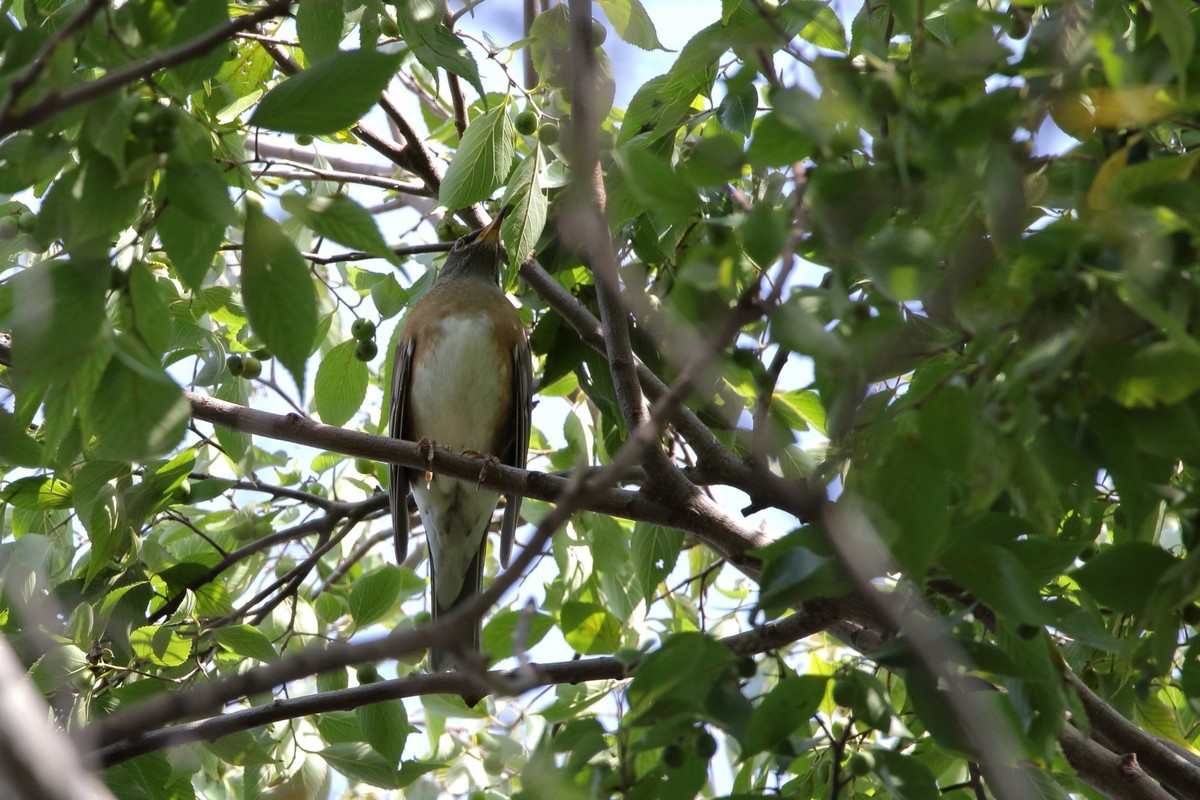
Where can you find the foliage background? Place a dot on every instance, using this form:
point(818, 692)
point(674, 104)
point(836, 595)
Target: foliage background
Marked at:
point(956, 563)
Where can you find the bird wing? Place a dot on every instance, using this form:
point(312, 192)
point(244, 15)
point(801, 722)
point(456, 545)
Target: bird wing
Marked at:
point(522, 409)
point(397, 475)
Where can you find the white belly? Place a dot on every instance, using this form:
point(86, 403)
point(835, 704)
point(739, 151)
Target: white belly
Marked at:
point(459, 380)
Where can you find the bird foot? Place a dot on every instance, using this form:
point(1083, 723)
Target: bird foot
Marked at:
point(487, 459)
point(426, 448)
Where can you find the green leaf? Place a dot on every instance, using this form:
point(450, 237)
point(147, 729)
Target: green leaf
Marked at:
point(160, 646)
point(905, 777)
point(631, 22)
point(526, 204)
point(498, 633)
point(738, 109)
point(57, 667)
point(190, 243)
point(199, 17)
point(589, 629)
point(655, 551)
point(41, 492)
point(999, 580)
point(1123, 577)
point(151, 316)
point(825, 30)
point(676, 678)
point(482, 161)
point(17, 447)
point(1178, 34)
point(341, 384)
point(375, 594)
point(785, 708)
point(57, 319)
point(422, 27)
point(341, 219)
point(199, 190)
point(359, 762)
point(763, 233)
point(277, 288)
point(1160, 374)
point(144, 413)
point(319, 26)
point(385, 727)
point(246, 641)
point(329, 96)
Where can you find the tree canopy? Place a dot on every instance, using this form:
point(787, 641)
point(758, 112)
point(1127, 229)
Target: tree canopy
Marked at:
point(868, 431)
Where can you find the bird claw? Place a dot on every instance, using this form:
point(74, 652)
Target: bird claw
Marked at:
point(426, 448)
point(486, 458)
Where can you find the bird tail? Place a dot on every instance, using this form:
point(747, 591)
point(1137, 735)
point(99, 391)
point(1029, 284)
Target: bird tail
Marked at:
point(442, 659)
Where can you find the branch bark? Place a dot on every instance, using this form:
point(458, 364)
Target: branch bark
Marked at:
point(768, 637)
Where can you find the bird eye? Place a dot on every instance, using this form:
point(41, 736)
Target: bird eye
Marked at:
point(463, 242)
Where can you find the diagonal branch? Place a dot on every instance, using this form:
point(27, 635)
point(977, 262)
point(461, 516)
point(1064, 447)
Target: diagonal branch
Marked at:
point(768, 637)
point(111, 81)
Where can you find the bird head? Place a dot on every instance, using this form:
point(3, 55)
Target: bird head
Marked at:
point(477, 255)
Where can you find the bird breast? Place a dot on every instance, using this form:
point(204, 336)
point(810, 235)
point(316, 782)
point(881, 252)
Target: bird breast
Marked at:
point(461, 386)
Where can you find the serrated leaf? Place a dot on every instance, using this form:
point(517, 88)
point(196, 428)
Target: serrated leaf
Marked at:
point(655, 551)
point(144, 413)
point(385, 727)
point(631, 22)
point(329, 96)
point(359, 762)
point(17, 447)
point(341, 384)
point(482, 161)
point(190, 243)
point(738, 108)
point(199, 17)
point(277, 288)
point(786, 707)
point(246, 641)
point(375, 594)
point(497, 638)
point(57, 667)
point(434, 44)
point(160, 646)
point(589, 629)
point(41, 492)
point(526, 204)
point(319, 27)
point(825, 30)
point(1124, 576)
point(341, 219)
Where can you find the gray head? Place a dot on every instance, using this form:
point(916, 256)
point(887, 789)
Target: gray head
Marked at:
point(476, 256)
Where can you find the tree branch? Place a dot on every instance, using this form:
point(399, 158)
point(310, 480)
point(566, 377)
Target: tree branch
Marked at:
point(111, 81)
point(1116, 777)
point(768, 637)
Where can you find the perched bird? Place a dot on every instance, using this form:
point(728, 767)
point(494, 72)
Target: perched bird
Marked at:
point(462, 379)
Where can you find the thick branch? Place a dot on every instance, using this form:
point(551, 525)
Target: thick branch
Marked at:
point(769, 637)
point(1116, 777)
point(37, 761)
point(1152, 754)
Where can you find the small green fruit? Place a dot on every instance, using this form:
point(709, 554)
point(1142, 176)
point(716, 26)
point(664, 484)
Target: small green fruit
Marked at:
point(303, 139)
point(9, 228)
point(366, 350)
point(244, 530)
point(548, 134)
point(527, 123)
point(845, 692)
point(860, 764)
point(366, 673)
point(27, 222)
point(251, 368)
point(705, 745)
point(263, 354)
point(599, 33)
point(672, 756)
point(362, 329)
point(234, 365)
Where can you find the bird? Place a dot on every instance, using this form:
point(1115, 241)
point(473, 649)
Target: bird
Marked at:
point(462, 379)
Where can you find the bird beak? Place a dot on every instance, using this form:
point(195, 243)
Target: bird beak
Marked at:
point(491, 232)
